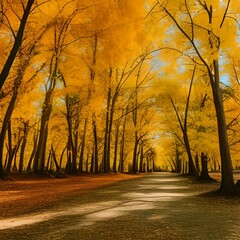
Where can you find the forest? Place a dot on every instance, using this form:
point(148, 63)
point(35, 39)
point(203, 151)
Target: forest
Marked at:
point(99, 86)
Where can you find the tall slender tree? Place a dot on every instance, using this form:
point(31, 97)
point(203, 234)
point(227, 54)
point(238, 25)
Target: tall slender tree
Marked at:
point(203, 41)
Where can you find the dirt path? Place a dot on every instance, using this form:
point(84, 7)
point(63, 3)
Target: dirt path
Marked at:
point(157, 206)
point(25, 193)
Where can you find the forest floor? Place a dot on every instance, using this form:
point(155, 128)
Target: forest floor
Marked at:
point(24, 193)
point(156, 206)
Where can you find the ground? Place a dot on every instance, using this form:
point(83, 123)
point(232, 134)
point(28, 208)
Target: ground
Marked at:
point(154, 206)
point(24, 193)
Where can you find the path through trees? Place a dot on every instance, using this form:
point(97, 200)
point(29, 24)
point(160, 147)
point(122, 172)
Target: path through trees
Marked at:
point(157, 206)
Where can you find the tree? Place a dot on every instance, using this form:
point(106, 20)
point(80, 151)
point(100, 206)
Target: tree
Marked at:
point(60, 42)
point(183, 125)
point(26, 52)
point(203, 41)
point(17, 39)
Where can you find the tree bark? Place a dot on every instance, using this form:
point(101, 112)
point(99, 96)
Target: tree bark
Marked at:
point(23, 146)
point(141, 159)
point(39, 160)
point(6, 121)
point(204, 173)
point(116, 149)
point(55, 160)
point(227, 182)
point(183, 125)
point(83, 146)
point(29, 166)
point(95, 147)
point(122, 148)
point(106, 135)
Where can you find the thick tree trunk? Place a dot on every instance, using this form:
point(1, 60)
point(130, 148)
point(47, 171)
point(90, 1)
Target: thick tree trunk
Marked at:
point(92, 162)
point(69, 161)
point(204, 173)
point(39, 160)
point(197, 163)
point(72, 136)
point(227, 182)
point(191, 169)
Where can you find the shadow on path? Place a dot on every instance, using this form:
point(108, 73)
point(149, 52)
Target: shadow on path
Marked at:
point(157, 206)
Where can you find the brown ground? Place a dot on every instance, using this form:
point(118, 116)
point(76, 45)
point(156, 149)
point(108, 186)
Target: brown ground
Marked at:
point(24, 193)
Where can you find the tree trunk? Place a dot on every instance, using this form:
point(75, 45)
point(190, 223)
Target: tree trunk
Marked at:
point(13, 154)
point(227, 182)
point(48, 160)
point(55, 160)
point(106, 136)
point(141, 159)
point(83, 146)
point(61, 157)
point(87, 163)
point(39, 160)
point(10, 148)
point(75, 148)
point(183, 125)
point(23, 146)
point(21, 160)
point(13, 53)
point(95, 146)
point(197, 163)
point(148, 163)
point(6, 121)
point(29, 166)
point(121, 164)
point(191, 169)
point(116, 149)
point(134, 161)
point(68, 163)
point(204, 173)
point(92, 162)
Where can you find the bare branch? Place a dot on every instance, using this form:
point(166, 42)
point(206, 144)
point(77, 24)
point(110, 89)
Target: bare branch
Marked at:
point(225, 13)
point(188, 99)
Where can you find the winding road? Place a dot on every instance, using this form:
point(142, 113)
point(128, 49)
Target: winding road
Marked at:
point(156, 206)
